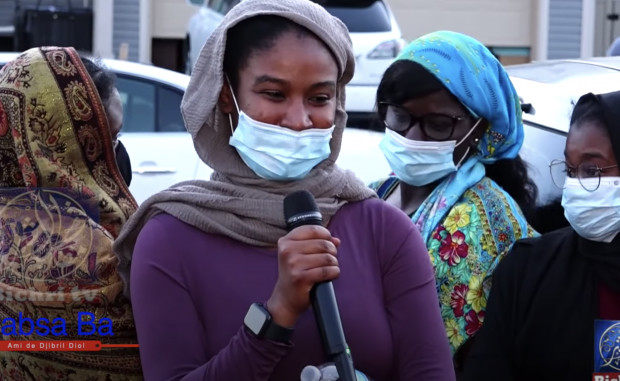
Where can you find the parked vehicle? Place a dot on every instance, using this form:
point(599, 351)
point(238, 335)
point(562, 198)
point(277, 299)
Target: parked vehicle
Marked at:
point(161, 150)
point(374, 32)
point(549, 90)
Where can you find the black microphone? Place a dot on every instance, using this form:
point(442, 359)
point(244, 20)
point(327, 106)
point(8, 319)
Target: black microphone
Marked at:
point(301, 209)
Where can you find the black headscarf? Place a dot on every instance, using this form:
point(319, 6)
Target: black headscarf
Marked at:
point(611, 110)
point(610, 105)
point(123, 162)
point(605, 257)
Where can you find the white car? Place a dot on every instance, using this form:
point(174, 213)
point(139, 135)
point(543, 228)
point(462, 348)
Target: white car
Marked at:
point(549, 90)
point(161, 150)
point(375, 34)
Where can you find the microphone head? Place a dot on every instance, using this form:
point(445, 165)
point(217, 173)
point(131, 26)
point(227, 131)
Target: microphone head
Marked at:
point(301, 209)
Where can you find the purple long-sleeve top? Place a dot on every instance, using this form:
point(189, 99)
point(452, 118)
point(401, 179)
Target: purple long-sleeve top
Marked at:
point(190, 291)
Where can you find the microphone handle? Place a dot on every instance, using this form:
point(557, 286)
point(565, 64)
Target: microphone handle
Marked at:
point(325, 309)
point(344, 366)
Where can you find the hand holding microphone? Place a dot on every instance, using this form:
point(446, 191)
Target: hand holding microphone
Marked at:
point(306, 256)
point(302, 214)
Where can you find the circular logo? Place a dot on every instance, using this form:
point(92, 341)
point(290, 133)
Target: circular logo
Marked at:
point(609, 347)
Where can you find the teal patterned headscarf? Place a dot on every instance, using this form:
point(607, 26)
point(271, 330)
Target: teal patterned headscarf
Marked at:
point(478, 80)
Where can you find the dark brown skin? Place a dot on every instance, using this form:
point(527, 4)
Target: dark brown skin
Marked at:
point(292, 85)
point(589, 142)
point(408, 197)
point(114, 113)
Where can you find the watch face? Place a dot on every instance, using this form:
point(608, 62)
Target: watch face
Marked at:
point(256, 318)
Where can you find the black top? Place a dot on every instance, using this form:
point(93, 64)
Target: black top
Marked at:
point(539, 323)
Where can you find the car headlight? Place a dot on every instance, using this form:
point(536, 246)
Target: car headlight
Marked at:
point(387, 50)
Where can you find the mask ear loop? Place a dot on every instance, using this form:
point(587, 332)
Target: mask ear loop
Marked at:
point(464, 138)
point(232, 130)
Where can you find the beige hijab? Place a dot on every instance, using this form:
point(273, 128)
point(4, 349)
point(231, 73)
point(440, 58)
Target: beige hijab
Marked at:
point(236, 202)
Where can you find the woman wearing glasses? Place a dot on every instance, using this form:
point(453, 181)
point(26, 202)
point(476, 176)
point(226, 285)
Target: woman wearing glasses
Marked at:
point(551, 294)
point(453, 132)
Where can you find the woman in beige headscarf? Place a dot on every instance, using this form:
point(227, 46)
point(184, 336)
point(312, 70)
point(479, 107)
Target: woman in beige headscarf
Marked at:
point(265, 106)
point(62, 202)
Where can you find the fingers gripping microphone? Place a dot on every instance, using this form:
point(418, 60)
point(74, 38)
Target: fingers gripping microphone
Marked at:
point(301, 209)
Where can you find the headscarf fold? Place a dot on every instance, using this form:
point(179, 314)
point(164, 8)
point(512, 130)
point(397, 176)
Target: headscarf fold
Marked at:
point(478, 80)
point(610, 104)
point(236, 202)
point(62, 202)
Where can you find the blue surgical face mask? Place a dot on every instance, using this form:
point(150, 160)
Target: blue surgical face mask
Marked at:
point(279, 153)
point(594, 215)
point(418, 162)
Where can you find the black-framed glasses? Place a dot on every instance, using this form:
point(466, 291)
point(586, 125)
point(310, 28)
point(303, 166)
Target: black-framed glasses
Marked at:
point(434, 126)
point(588, 173)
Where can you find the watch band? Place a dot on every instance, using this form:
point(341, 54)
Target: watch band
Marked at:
point(267, 329)
point(278, 333)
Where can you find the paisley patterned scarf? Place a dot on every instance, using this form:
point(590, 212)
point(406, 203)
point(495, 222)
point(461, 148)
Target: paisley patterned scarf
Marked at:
point(62, 203)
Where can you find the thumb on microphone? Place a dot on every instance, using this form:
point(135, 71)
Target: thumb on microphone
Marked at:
point(311, 373)
point(326, 372)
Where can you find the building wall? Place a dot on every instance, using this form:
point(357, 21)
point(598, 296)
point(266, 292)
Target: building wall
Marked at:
point(7, 7)
point(169, 18)
point(606, 26)
point(506, 23)
point(7, 15)
point(503, 24)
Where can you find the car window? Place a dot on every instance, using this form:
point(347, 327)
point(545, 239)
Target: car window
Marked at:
point(362, 16)
point(169, 111)
point(230, 4)
point(541, 145)
point(222, 6)
point(138, 99)
point(213, 4)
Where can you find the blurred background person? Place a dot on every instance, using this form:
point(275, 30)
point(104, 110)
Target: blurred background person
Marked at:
point(63, 201)
point(614, 48)
point(265, 106)
point(549, 291)
point(453, 133)
point(105, 82)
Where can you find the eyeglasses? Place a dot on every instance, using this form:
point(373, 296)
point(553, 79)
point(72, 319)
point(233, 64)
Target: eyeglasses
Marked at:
point(434, 126)
point(588, 173)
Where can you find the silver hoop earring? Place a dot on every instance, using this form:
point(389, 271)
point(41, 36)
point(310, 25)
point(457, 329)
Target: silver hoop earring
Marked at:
point(232, 131)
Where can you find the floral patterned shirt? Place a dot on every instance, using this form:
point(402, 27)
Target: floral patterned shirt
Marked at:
point(466, 246)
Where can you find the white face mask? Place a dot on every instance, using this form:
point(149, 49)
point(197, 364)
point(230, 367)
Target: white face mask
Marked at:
point(418, 162)
point(594, 215)
point(279, 153)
